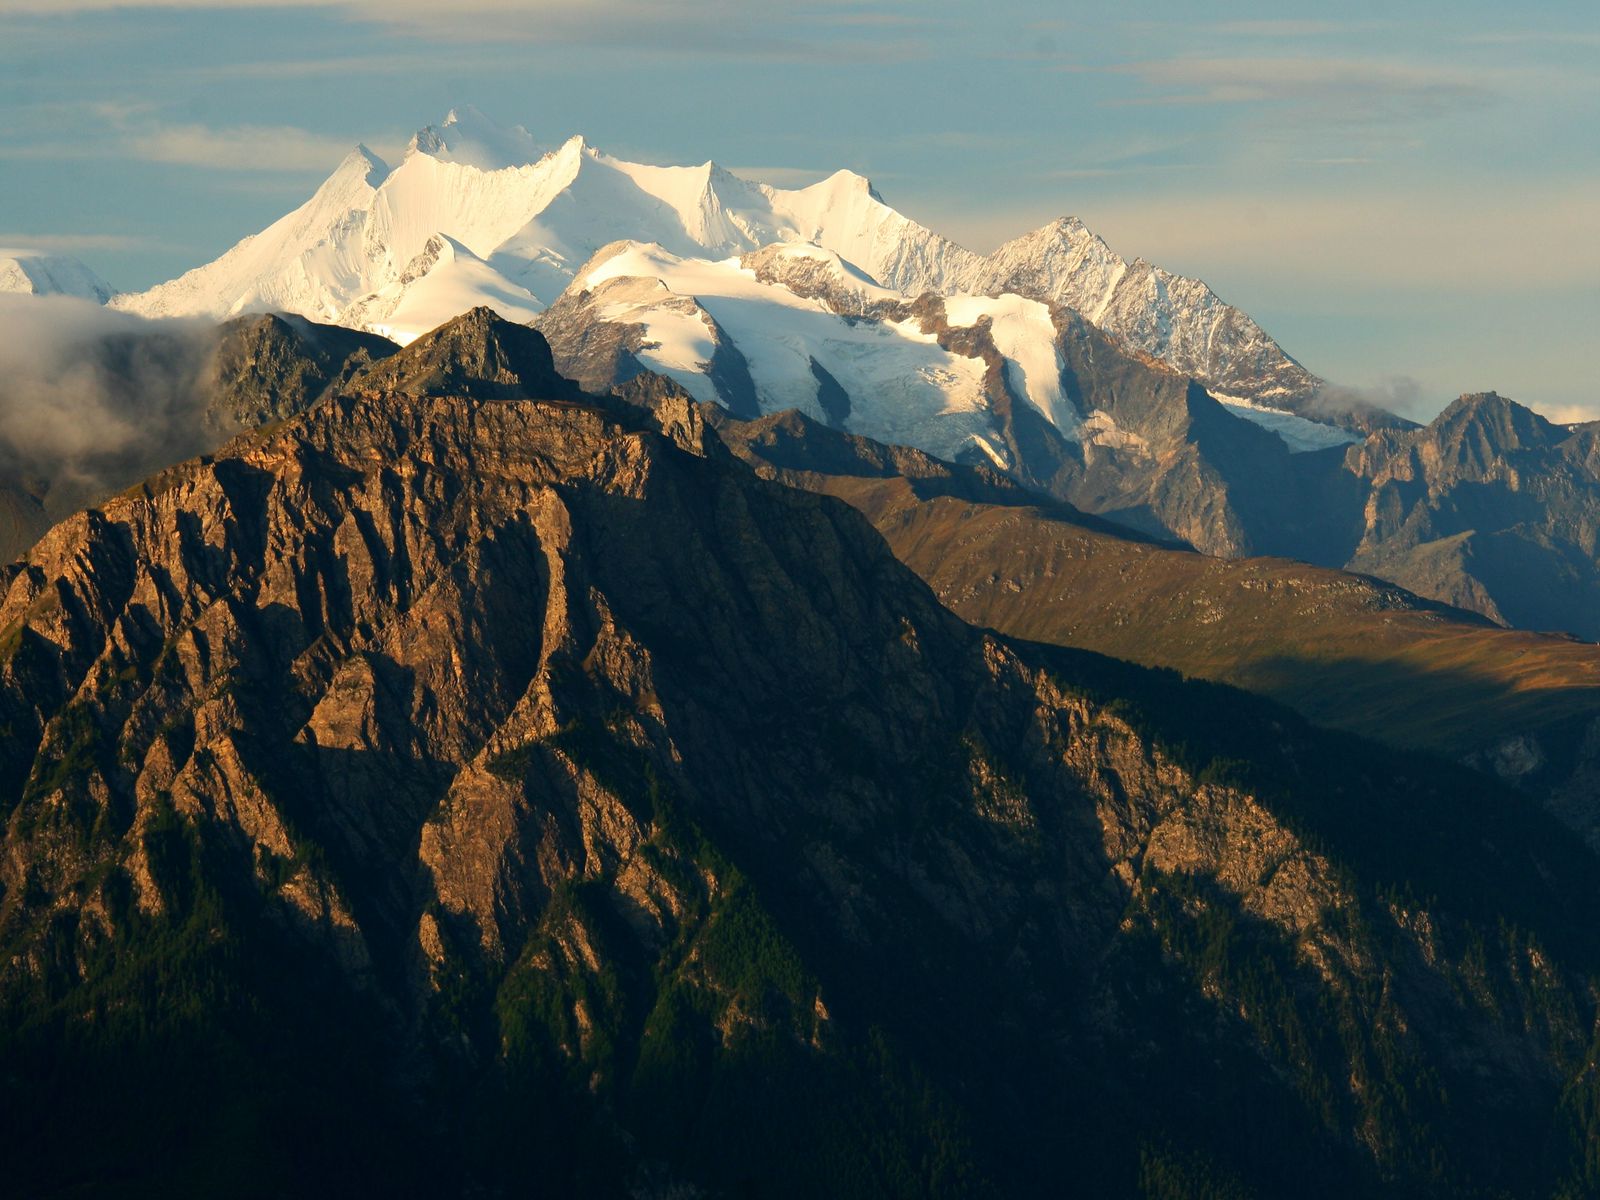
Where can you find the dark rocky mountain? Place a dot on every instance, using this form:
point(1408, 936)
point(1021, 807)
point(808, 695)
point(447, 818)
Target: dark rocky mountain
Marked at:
point(166, 394)
point(433, 793)
point(1490, 507)
point(270, 366)
point(1344, 650)
point(477, 355)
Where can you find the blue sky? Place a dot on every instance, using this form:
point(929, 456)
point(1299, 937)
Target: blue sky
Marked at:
point(1406, 196)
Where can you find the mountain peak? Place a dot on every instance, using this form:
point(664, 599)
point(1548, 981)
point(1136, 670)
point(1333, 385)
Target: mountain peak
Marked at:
point(1493, 423)
point(1069, 226)
point(846, 181)
point(364, 162)
point(478, 354)
point(40, 273)
point(468, 138)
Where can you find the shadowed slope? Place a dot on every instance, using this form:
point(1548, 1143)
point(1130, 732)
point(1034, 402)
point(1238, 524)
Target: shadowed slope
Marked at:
point(1344, 650)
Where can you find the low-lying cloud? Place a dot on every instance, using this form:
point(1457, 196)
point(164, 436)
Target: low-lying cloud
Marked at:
point(93, 400)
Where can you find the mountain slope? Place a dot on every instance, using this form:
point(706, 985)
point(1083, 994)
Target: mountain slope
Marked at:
point(1030, 388)
point(1344, 650)
point(1180, 321)
point(506, 795)
point(1489, 507)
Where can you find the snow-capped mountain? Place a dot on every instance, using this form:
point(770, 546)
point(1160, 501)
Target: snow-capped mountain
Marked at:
point(1180, 321)
point(796, 326)
point(37, 273)
point(477, 214)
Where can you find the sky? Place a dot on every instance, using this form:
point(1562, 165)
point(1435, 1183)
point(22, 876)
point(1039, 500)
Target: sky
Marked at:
point(1406, 196)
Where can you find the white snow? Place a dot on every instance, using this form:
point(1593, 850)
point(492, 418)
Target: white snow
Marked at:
point(1100, 429)
point(535, 217)
point(903, 386)
point(1024, 332)
point(39, 273)
point(532, 216)
point(1300, 434)
point(444, 281)
point(519, 221)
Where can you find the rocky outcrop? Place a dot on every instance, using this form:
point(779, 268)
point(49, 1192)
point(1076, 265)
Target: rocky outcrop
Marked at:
point(476, 355)
point(1489, 507)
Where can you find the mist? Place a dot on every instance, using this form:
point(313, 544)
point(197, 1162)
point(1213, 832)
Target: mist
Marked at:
point(1398, 394)
point(93, 400)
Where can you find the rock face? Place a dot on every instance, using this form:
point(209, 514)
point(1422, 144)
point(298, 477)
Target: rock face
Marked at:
point(475, 355)
point(1490, 507)
point(272, 366)
point(518, 795)
point(1180, 321)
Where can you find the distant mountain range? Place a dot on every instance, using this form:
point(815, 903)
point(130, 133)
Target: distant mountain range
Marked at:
point(478, 214)
point(1115, 386)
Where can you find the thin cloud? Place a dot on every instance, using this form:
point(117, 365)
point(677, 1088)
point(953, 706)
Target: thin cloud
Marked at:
point(1339, 88)
point(1522, 239)
point(75, 243)
point(355, 64)
point(240, 148)
point(808, 30)
point(1533, 38)
point(787, 177)
point(1292, 29)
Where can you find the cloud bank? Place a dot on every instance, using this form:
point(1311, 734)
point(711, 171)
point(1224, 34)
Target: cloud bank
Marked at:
point(92, 400)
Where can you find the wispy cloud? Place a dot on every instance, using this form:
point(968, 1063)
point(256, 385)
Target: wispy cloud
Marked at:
point(817, 30)
point(1532, 37)
point(75, 243)
point(1518, 239)
point(1289, 28)
point(787, 177)
point(137, 130)
point(347, 65)
point(240, 147)
point(1337, 88)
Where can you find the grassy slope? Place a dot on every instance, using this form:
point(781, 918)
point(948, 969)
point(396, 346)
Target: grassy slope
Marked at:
point(1343, 650)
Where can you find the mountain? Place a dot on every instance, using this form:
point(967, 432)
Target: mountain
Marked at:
point(1346, 651)
point(1490, 507)
point(1180, 321)
point(1031, 388)
point(503, 795)
point(37, 273)
point(136, 399)
point(475, 355)
point(474, 214)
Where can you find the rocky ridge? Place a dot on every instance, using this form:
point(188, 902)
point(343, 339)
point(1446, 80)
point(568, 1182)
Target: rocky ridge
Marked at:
point(182, 391)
